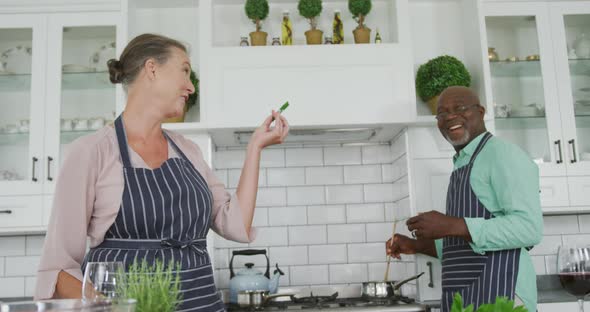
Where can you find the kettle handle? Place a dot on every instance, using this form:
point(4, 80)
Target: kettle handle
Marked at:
point(248, 252)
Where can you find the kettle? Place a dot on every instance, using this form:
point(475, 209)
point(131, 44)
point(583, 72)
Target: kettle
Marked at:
point(250, 279)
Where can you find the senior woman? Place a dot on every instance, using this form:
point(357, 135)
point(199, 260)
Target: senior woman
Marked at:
point(141, 192)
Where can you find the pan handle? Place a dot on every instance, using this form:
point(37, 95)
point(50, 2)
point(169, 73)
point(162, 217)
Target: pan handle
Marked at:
point(400, 283)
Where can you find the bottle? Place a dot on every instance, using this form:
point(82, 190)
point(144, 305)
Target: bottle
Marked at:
point(244, 42)
point(337, 29)
point(377, 37)
point(276, 41)
point(286, 30)
point(328, 40)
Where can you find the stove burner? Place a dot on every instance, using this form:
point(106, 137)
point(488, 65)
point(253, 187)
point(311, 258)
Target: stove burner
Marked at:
point(312, 301)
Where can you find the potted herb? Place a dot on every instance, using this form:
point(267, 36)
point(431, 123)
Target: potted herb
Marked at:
point(156, 288)
point(438, 74)
point(359, 10)
point(192, 99)
point(311, 9)
point(502, 304)
point(257, 11)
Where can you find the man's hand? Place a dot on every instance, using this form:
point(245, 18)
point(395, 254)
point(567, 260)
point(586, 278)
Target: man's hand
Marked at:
point(400, 244)
point(435, 225)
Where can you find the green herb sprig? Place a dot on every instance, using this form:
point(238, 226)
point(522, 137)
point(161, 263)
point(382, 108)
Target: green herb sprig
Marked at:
point(502, 304)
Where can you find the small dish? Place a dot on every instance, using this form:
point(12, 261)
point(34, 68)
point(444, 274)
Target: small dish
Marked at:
point(534, 57)
point(100, 58)
point(17, 60)
point(75, 68)
point(513, 59)
point(526, 111)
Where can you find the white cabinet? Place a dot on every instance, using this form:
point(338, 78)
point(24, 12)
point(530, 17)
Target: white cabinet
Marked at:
point(538, 84)
point(561, 306)
point(54, 88)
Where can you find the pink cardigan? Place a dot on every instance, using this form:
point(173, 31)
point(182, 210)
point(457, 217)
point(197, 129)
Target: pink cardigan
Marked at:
point(88, 196)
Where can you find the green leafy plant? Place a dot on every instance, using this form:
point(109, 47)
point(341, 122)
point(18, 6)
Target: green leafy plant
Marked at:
point(257, 11)
point(156, 288)
point(438, 74)
point(192, 99)
point(310, 9)
point(502, 304)
point(359, 9)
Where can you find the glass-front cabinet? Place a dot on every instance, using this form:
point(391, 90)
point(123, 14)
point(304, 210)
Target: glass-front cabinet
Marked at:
point(526, 107)
point(572, 49)
point(54, 88)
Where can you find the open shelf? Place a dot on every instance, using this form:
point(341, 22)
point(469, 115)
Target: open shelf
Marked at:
point(516, 69)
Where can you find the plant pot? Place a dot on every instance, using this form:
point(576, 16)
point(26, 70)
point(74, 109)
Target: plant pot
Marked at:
point(432, 104)
point(179, 118)
point(362, 35)
point(314, 36)
point(258, 38)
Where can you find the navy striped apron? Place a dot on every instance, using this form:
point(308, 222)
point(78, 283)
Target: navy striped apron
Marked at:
point(478, 278)
point(165, 215)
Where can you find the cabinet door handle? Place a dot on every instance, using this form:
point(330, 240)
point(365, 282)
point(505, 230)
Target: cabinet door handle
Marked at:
point(49, 160)
point(430, 281)
point(34, 165)
point(8, 211)
point(573, 144)
point(558, 143)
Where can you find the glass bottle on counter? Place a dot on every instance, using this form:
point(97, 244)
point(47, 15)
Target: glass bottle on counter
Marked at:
point(286, 30)
point(276, 41)
point(337, 29)
point(328, 40)
point(244, 42)
point(377, 37)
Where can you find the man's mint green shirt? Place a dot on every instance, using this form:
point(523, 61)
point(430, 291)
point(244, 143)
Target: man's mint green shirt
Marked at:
point(506, 182)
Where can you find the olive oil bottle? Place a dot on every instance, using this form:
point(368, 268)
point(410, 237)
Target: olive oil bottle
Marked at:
point(286, 30)
point(337, 29)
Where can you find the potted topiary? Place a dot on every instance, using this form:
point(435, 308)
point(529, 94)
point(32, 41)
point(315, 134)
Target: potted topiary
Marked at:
point(257, 11)
point(311, 9)
point(438, 74)
point(359, 10)
point(191, 102)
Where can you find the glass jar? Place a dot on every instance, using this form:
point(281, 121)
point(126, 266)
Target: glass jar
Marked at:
point(276, 41)
point(328, 40)
point(244, 42)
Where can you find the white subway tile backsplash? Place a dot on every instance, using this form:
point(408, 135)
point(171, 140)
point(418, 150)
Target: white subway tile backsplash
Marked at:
point(326, 214)
point(579, 240)
point(350, 155)
point(539, 264)
point(12, 286)
point(362, 174)
point(304, 157)
point(21, 266)
point(323, 175)
point(348, 273)
point(309, 275)
point(307, 235)
point(233, 176)
point(346, 233)
point(293, 215)
point(260, 217)
point(373, 252)
point(12, 246)
point(272, 157)
point(306, 195)
point(285, 176)
point(222, 278)
point(363, 213)
point(344, 194)
point(220, 242)
point(271, 197)
point(397, 271)
point(221, 258)
point(403, 209)
point(391, 211)
point(548, 245)
point(327, 254)
point(387, 173)
point(560, 225)
point(30, 283)
point(229, 159)
point(293, 255)
point(378, 193)
point(34, 244)
point(271, 236)
point(379, 232)
point(376, 154)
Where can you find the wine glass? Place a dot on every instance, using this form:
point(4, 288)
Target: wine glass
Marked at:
point(573, 267)
point(102, 279)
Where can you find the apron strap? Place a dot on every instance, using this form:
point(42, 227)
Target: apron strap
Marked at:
point(176, 148)
point(486, 137)
point(122, 140)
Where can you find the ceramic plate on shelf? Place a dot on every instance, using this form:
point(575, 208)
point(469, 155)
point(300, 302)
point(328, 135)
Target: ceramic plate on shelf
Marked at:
point(100, 58)
point(527, 111)
point(75, 68)
point(17, 60)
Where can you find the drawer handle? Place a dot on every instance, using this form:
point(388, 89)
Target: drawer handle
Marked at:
point(8, 211)
point(573, 144)
point(558, 143)
point(430, 281)
point(34, 165)
point(49, 160)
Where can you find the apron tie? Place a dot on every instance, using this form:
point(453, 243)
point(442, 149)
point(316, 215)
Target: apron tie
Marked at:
point(198, 245)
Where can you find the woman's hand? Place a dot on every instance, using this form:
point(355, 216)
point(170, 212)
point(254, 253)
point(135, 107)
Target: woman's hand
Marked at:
point(265, 135)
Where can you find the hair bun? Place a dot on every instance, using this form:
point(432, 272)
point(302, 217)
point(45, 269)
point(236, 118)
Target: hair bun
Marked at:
point(115, 71)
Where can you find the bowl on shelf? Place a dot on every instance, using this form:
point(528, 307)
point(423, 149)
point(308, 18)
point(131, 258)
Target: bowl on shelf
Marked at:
point(525, 111)
point(17, 60)
point(75, 68)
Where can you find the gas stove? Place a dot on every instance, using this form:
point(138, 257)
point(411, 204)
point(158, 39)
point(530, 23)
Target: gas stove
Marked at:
point(333, 303)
